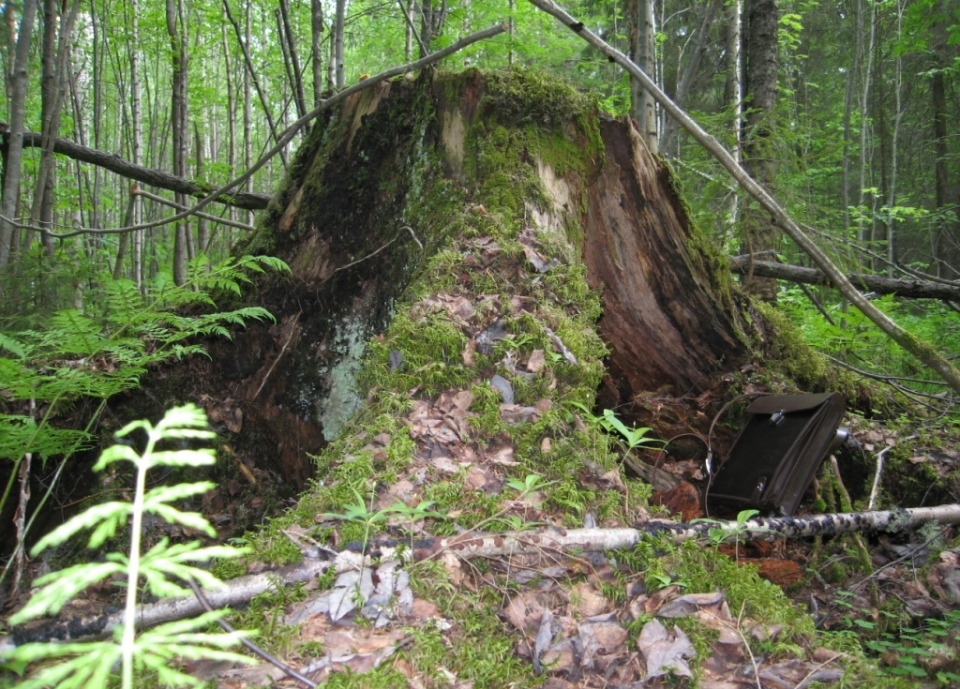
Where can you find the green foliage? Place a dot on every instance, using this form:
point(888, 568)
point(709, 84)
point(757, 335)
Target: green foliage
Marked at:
point(926, 651)
point(163, 569)
point(103, 351)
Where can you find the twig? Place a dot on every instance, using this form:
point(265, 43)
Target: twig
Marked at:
point(137, 191)
point(377, 251)
point(876, 476)
point(746, 644)
point(913, 551)
point(256, 650)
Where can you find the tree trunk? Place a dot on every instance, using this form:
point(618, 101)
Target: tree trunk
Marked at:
point(137, 138)
point(946, 194)
point(178, 126)
point(341, 11)
point(316, 49)
point(761, 63)
point(643, 51)
point(14, 148)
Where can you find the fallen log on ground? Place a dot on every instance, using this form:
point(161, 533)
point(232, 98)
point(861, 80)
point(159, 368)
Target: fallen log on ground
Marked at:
point(467, 546)
point(880, 284)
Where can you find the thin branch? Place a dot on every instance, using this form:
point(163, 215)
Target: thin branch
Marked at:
point(137, 191)
point(252, 647)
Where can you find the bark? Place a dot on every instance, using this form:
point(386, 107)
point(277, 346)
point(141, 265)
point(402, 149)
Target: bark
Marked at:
point(920, 349)
point(139, 173)
point(761, 65)
point(902, 287)
point(316, 49)
point(643, 50)
point(664, 314)
point(471, 546)
point(14, 139)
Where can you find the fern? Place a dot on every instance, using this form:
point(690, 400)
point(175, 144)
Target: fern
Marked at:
point(98, 354)
point(92, 664)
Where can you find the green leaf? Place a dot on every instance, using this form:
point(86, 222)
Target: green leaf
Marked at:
point(57, 588)
point(85, 520)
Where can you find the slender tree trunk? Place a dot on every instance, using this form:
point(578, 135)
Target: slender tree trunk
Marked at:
point(248, 61)
point(247, 109)
point(338, 44)
point(297, 84)
point(231, 112)
point(18, 95)
point(316, 49)
point(863, 234)
point(761, 64)
point(848, 116)
point(946, 195)
point(669, 142)
point(894, 146)
point(643, 52)
point(178, 124)
point(136, 122)
point(733, 89)
point(54, 84)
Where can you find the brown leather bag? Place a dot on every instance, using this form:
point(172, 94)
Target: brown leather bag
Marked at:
point(779, 449)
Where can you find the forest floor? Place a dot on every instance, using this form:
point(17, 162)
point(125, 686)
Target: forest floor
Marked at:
point(443, 447)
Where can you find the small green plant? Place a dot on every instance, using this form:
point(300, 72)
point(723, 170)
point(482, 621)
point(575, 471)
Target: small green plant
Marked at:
point(530, 484)
point(359, 513)
point(92, 664)
point(928, 651)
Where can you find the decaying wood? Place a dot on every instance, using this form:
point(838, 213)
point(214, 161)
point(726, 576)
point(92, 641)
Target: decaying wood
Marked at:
point(664, 311)
point(467, 546)
point(921, 350)
point(902, 287)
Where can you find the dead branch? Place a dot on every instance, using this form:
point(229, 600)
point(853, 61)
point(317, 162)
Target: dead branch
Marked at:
point(145, 175)
point(779, 217)
point(466, 546)
point(914, 289)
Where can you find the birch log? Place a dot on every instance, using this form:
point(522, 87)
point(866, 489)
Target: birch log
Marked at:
point(467, 546)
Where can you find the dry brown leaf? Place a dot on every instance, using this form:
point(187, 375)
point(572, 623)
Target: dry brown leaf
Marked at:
point(587, 601)
point(536, 361)
point(524, 610)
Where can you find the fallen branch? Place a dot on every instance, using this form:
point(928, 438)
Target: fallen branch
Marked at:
point(909, 342)
point(466, 546)
point(902, 287)
point(285, 138)
point(155, 178)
